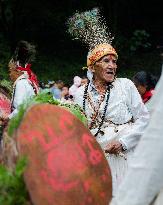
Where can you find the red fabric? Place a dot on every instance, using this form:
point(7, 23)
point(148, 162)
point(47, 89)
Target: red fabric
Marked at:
point(147, 95)
point(32, 76)
point(5, 105)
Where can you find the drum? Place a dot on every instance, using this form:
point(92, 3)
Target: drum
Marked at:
point(66, 166)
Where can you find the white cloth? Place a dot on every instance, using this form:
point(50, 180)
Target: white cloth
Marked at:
point(124, 104)
point(89, 74)
point(73, 89)
point(144, 179)
point(149, 105)
point(23, 90)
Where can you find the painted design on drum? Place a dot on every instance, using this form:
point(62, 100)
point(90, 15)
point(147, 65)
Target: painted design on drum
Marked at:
point(64, 158)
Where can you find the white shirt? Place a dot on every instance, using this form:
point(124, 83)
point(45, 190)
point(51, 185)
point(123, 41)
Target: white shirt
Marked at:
point(23, 90)
point(73, 89)
point(124, 103)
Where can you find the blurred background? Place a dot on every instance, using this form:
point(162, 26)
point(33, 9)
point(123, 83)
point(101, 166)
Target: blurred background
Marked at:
point(135, 24)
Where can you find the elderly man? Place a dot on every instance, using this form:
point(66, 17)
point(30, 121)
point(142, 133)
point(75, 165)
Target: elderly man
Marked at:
point(116, 114)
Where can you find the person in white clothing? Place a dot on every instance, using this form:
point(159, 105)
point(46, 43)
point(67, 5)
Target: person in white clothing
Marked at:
point(25, 84)
point(116, 114)
point(23, 90)
point(73, 89)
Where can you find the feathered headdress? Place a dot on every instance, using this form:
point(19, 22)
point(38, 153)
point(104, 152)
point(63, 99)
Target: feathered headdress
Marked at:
point(90, 28)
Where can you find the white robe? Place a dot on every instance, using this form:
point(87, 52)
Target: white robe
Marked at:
point(23, 90)
point(124, 104)
point(144, 179)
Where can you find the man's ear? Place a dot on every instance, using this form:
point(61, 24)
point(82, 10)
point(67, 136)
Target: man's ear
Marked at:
point(92, 68)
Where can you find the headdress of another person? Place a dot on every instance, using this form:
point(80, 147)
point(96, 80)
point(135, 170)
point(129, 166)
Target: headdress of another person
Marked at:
point(23, 56)
point(90, 27)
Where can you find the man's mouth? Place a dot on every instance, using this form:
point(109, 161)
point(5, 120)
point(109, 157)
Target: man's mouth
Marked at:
point(110, 72)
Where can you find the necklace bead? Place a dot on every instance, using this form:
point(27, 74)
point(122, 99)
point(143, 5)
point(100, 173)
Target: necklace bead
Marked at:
point(93, 118)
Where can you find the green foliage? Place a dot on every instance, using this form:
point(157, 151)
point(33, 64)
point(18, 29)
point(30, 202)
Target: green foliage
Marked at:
point(61, 67)
point(139, 40)
point(135, 54)
point(44, 98)
point(76, 110)
point(12, 186)
point(73, 108)
point(6, 85)
point(4, 58)
point(15, 121)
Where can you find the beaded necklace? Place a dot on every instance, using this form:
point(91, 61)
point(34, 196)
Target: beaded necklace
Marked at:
point(96, 110)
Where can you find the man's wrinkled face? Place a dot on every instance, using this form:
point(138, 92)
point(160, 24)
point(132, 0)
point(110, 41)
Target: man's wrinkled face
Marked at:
point(105, 69)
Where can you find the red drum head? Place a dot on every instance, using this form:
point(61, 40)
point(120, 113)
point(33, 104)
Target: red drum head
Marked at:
point(66, 166)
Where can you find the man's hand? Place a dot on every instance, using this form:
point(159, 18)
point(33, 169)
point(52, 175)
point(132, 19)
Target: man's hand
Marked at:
point(114, 147)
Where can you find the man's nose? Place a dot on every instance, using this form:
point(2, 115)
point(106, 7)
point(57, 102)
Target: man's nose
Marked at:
point(110, 65)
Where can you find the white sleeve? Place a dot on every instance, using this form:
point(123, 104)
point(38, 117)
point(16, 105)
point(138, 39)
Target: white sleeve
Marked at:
point(78, 97)
point(140, 116)
point(20, 95)
point(144, 179)
point(72, 90)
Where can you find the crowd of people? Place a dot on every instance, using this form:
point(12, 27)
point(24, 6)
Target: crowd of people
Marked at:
point(63, 91)
point(117, 109)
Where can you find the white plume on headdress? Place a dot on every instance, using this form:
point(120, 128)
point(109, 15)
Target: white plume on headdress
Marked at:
point(89, 27)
